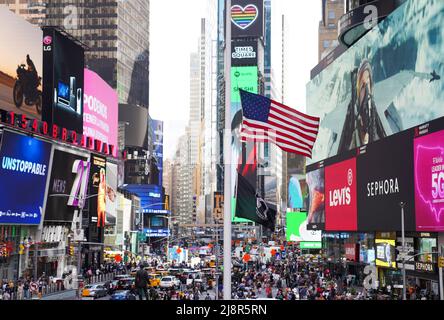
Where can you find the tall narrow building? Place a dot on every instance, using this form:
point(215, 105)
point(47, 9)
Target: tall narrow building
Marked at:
point(332, 11)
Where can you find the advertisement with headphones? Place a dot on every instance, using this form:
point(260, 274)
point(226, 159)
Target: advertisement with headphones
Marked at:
point(63, 86)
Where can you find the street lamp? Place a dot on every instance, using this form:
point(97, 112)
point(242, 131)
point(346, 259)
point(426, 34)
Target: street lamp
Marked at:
point(404, 289)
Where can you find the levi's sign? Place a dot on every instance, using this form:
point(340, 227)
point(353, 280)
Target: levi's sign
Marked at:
point(42, 128)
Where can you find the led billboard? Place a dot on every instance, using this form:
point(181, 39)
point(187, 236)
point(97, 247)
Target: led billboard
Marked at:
point(247, 18)
point(341, 198)
point(316, 199)
point(244, 53)
point(385, 179)
point(389, 81)
point(100, 114)
point(296, 228)
point(68, 185)
point(21, 65)
point(63, 91)
point(429, 182)
point(23, 174)
point(111, 193)
point(385, 253)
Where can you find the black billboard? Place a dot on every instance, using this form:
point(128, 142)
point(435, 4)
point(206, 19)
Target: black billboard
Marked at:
point(243, 53)
point(97, 201)
point(385, 179)
point(247, 18)
point(136, 128)
point(63, 77)
point(68, 185)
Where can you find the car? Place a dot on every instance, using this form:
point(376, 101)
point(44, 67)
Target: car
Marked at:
point(169, 282)
point(154, 280)
point(94, 291)
point(123, 295)
point(126, 283)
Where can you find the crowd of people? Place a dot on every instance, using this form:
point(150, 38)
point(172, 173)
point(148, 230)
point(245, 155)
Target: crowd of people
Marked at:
point(301, 278)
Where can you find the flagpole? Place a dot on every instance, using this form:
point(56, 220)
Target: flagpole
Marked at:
point(227, 158)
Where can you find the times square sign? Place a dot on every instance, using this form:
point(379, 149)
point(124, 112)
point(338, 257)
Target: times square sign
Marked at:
point(55, 132)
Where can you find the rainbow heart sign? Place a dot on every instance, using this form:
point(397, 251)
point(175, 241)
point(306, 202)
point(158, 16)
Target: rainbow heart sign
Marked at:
point(244, 17)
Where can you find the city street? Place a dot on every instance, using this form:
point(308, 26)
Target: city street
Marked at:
point(272, 149)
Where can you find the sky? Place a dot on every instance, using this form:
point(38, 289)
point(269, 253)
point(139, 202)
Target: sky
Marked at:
point(173, 39)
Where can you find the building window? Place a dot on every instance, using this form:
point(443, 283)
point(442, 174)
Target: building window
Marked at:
point(331, 14)
point(326, 43)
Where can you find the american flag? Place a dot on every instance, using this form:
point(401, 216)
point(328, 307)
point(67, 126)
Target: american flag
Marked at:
point(265, 120)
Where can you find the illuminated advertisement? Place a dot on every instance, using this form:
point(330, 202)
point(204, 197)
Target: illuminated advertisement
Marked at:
point(157, 127)
point(151, 197)
point(297, 193)
point(429, 182)
point(341, 198)
point(385, 253)
point(111, 193)
point(63, 91)
point(24, 170)
point(244, 155)
point(244, 53)
point(316, 199)
point(296, 228)
point(21, 65)
point(385, 179)
point(387, 82)
point(247, 18)
point(100, 104)
point(310, 245)
point(68, 186)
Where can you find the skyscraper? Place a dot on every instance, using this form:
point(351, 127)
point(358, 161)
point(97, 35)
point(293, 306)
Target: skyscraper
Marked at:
point(332, 11)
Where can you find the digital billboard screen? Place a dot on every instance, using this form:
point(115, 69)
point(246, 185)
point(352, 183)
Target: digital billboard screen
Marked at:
point(296, 228)
point(244, 155)
point(63, 85)
point(100, 114)
point(68, 185)
point(21, 65)
point(385, 179)
point(247, 18)
point(316, 199)
point(111, 193)
point(23, 175)
point(157, 127)
point(297, 193)
point(341, 197)
point(244, 53)
point(429, 182)
point(385, 253)
point(387, 82)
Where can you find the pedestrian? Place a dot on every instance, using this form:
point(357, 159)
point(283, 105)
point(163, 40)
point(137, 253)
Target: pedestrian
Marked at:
point(141, 282)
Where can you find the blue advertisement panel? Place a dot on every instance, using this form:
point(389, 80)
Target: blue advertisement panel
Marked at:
point(151, 197)
point(23, 174)
point(157, 126)
point(388, 82)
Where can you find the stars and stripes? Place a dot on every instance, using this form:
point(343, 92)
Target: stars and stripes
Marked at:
point(265, 120)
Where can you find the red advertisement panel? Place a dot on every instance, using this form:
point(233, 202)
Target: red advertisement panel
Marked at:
point(341, 196)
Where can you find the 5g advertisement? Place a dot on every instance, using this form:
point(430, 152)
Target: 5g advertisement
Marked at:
point(23, 174)
point(68, 185)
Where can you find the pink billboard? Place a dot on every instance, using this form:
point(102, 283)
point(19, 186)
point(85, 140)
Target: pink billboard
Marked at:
point(429, 182)
point(100, 110)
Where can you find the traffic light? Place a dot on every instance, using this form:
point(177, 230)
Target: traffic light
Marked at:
point(71, 250)
point(21, 249)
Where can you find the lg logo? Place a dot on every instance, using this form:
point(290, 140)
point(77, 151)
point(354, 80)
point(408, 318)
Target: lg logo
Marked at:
point(47, 41)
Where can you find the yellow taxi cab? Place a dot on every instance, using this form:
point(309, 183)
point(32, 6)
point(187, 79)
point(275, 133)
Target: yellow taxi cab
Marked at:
point(154, 280)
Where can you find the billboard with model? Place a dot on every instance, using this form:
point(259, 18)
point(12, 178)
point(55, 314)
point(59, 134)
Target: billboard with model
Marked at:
point(387, 82)
point(21, 65)
point(63, 90)
point(100, 113)
point(24, 170)
point(111, 193)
